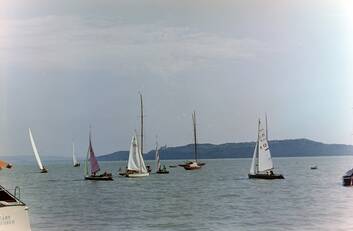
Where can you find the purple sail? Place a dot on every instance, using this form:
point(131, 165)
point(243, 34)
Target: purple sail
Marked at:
point(92, 159)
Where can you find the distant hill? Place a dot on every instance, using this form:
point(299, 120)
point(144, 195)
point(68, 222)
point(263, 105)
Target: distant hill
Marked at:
point(279, 148)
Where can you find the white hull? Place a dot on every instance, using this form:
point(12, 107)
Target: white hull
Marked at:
point(14, 218)
point(137, 175)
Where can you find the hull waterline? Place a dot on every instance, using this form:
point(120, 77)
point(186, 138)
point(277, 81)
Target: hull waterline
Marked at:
point(136, 175)
point(266, 176)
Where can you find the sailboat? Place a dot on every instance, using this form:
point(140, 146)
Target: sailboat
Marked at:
point(94, 165)
point(160, 170)
point(36, 154)
point(74, 160)
point(193, 165)
point(262, 165)
point(136, 166)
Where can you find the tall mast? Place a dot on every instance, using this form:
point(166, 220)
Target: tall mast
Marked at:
point(73, 152)
point(266, 127)
point(141, 147)
point(195, 140)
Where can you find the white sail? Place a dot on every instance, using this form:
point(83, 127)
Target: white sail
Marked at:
point(39, 162)
point(135, 161)
point(74, 159)
point(264, 154)
point(253, 162)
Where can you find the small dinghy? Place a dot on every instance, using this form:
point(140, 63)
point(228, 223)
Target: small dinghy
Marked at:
point(262, 165)
point(4, 164)
point(94, 166)
point(348, 178)
point(313, 167)
point(160, 170)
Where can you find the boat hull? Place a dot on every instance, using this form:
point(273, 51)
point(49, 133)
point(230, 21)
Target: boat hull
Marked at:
point(77, 165)
point(347, 180)
point(137, 175)
point(44, 170)
point(99, 178)
point(266, 176)
point(14, 218)
point(192, 167)
point(162, 172)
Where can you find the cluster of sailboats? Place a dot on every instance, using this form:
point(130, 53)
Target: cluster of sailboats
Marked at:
point(261, 165)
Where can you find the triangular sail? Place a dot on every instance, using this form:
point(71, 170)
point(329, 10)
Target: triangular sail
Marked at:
point(158, 158)
point(74, 159)
point(36, 154)
point(86, 164)
point(264, 154)
point(135, 162)
point(253, 162)
point(92, 158)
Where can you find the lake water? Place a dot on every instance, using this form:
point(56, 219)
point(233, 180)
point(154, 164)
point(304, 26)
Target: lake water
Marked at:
point(218, 197)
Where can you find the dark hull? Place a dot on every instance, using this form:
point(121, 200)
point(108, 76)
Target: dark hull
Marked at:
point(192, 168)
point(44, 170)
point(162, 172)
point(101, 178)
point(187, 164)
point(347, 180)
point(266, 176)
point(77, 165)
point(172, 166)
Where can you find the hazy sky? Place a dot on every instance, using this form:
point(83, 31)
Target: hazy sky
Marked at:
point(66, 64)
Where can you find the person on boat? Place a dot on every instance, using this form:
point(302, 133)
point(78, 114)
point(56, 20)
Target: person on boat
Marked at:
point(164, 168)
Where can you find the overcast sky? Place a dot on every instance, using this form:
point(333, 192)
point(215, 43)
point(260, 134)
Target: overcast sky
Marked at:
point(66, 64)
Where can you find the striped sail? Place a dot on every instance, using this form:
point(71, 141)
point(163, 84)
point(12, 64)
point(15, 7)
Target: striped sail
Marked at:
point(158, 158)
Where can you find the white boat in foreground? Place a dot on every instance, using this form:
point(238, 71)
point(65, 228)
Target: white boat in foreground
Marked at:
point(13, 213)
point(36, 154)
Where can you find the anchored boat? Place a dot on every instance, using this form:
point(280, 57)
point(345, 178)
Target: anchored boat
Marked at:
point(94, 165)
point(193, 165)
point(36, 154)
point(262, 165)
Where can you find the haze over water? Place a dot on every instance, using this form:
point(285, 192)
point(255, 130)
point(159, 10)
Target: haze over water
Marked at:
point(218, 197)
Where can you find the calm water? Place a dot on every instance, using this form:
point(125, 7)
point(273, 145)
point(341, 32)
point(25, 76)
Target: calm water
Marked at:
point(218, 197)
